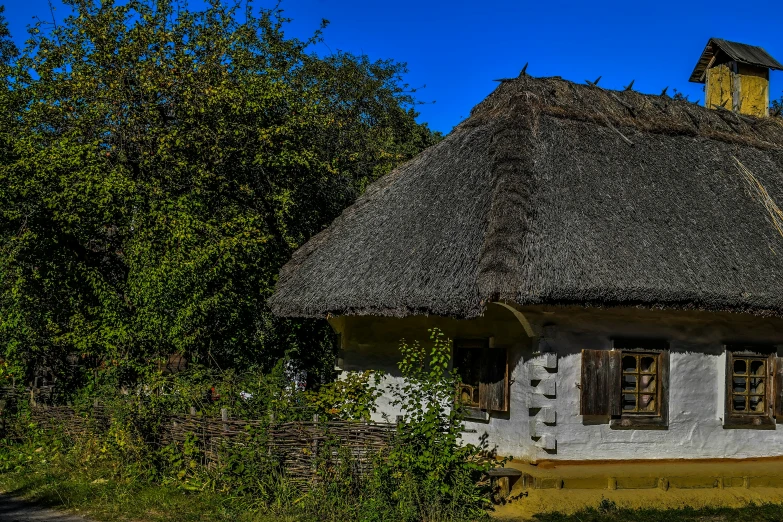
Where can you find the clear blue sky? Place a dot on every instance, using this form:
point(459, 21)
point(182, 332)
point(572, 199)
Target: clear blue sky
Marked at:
point(456, 48)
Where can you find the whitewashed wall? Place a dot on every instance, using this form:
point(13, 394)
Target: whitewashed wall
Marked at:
point(696, 391)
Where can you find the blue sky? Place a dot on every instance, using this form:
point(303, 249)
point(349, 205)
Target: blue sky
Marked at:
point(456, 48)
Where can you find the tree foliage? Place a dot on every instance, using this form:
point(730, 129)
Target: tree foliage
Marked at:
point(8, 50)
point(163, 164)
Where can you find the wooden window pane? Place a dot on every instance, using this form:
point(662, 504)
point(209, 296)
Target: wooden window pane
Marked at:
point(647, 403)
point(749, 393)
point(643, 384)
point(748, 384)
point(642, 370)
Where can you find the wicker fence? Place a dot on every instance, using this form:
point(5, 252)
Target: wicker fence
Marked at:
point(297, 446)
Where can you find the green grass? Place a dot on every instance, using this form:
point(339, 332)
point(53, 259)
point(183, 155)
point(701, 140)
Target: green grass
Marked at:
point(607, 512)
point(122, 501)
point(125, 501)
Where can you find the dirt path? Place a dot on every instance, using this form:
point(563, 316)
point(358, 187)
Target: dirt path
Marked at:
point(16, 510)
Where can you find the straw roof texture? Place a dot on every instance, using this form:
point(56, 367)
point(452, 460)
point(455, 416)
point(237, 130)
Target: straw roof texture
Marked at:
point(557, 193)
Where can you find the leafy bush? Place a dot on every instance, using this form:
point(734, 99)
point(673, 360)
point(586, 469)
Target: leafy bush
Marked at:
point(351, 397)
point(429, 472)
point(426, 473)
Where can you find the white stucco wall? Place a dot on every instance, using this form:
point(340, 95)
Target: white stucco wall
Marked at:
point(696, 391)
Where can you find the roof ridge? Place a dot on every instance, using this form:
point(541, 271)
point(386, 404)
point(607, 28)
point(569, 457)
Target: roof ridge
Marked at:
point(658, 114)
point(502, 253)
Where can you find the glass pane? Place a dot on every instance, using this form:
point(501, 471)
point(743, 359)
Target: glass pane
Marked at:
point(757, 367)
point(738, 404)
point(629, 363)
point(629, 382)
point(475, 395)
point(740, 385)
point(629, 402)
point(740, 367)
point(648, 364)
point(647, 383)
point(757, 404)
point(757, 385)
point(647, 402)
point(467, 362)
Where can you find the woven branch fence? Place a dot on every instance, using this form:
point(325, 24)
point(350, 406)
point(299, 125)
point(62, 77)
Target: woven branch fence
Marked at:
point(298, 446)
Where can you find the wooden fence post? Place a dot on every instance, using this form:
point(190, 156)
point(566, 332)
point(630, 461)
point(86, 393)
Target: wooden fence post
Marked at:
point(224, 418)
point(315, 444)
point(192, 410)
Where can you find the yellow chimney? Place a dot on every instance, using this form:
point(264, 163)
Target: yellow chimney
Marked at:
point(736, 77)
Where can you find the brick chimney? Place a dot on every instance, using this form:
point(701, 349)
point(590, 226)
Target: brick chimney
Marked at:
point(736, 77)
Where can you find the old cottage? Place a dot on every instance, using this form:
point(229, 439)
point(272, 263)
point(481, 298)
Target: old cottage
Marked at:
point(609, 265)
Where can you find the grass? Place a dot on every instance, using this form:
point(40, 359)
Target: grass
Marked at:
point(112, 501)
point(120, 501)
point(608, 512)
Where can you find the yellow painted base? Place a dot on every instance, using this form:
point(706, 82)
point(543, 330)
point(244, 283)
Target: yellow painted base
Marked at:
point(571, 487)
point(572, 500)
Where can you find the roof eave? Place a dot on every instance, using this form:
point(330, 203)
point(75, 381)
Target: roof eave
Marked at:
point(764, 59)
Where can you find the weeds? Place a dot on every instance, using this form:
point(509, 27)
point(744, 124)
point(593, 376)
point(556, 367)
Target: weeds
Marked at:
point(425, 473)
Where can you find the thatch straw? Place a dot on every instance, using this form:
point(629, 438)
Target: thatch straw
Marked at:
point(758, 191)
point(557, 193)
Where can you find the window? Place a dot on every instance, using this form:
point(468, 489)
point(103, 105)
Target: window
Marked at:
point(467, 360)
point(750, 383)
point(628, 384)
point(483, 371)
point(640, 383)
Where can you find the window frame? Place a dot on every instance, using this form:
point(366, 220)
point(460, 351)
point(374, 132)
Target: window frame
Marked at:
point(638, 373)
point(766, 420)
point(484, 344)
point(643, 420)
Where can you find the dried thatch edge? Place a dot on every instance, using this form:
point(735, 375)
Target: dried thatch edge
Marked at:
point(697, 305)
point(673, 129)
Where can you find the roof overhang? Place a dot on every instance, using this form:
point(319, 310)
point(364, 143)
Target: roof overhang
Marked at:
point(742, 53)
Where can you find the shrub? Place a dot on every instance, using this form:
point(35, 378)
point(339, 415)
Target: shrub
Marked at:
point(429, 472)
point(426, 473)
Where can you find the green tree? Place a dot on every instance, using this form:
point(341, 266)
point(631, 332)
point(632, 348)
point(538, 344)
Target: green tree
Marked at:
point(167, 163)
point(8, 50)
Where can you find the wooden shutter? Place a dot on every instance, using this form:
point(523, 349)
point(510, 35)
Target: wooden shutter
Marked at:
point(777, 383)
point(600, 383)
point(663, 396)
point(493, 380)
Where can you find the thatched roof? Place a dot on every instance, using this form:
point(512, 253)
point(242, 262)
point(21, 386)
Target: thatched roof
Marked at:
point(557, 193)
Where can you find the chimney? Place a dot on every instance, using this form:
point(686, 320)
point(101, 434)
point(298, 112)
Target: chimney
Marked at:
point(736, 77)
